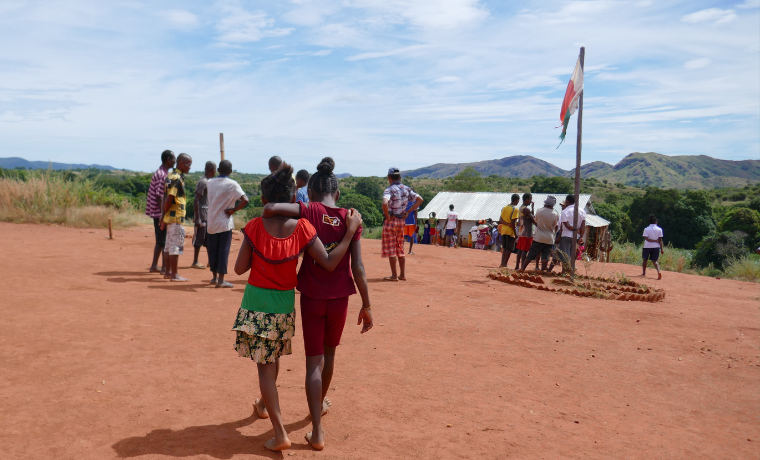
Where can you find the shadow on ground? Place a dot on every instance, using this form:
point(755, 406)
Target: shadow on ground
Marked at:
point(218, 441)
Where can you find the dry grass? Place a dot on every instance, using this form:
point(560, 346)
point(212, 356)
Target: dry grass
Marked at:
point(50, 199)
point(745, 269)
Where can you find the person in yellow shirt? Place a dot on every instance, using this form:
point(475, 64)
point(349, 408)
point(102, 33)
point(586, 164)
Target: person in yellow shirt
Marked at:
point(508, 221)
point(174, 215)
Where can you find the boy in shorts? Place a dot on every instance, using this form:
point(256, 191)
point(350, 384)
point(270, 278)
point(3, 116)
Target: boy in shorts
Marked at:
point(174, 215)
point(652, 246)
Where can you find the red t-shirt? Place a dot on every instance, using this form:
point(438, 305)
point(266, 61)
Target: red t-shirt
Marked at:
point(274, 260)
point(313, 280)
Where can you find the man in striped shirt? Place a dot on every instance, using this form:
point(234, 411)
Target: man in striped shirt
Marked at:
point(154, 208)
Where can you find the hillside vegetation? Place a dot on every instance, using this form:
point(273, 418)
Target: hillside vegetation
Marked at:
point(637, 169)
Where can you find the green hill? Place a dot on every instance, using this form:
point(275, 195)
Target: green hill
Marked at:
point(521, 166)
point(683, 171)
point(636, 169)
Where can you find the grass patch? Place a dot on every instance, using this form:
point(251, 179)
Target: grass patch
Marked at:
point(372, 233)
point(51, 199)
point(744, 269)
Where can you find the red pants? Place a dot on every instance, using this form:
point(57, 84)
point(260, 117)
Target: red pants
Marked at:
point(322, 322)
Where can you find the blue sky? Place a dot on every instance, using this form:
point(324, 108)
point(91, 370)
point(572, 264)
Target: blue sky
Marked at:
point(374, 83)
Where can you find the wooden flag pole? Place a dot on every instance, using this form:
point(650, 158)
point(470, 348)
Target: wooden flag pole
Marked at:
point(578, 168)
point(110, 229)
point(221, 144)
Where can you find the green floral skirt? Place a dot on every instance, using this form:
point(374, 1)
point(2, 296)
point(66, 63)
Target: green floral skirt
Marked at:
point(264, 337)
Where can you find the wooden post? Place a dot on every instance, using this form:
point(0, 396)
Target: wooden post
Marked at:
point(221, 144)
point(578, 168)
point(110, 229)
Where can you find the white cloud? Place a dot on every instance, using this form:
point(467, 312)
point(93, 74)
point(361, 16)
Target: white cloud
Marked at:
point(225, 65)
point(181, 18)
point(428, 13)
point(447, 79)
point(241, 26)
point(749, 4)
point(697, 63)
point(381, 54)
point(715, 15)
point(322, 53)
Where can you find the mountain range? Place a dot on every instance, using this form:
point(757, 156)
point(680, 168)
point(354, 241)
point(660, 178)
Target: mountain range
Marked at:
point(648, 169)
point(15, 162)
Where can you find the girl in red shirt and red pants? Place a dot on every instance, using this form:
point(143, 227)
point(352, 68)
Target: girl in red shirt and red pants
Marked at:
point(265, 322)
point(324, 294)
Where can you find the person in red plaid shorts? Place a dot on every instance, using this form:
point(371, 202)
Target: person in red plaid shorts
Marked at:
point(395, 200)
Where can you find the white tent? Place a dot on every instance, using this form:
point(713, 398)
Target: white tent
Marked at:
point(475, 206)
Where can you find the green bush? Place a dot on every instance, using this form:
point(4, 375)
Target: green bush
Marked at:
point(745, 268)
point(745, 220)
point(717, 248)
point(371, 215)
point(620, 223)
point(370, 187)
point(552, 185)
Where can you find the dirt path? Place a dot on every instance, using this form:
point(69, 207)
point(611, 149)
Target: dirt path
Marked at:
point(517, 373)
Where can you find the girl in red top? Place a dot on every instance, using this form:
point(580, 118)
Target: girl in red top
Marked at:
point(265, 322)
point(324, 295)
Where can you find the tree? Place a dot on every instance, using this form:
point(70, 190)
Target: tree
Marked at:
point(655, 201)
point(691, 221)
point(717, 248)
point(556, 184)
point(371, 215)
point(469, 180)
point(620, 223)
point(369, 187)
point(612, 198)
point(745, 220)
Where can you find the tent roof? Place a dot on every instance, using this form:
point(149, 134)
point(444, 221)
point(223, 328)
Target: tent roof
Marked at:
point(482, 205)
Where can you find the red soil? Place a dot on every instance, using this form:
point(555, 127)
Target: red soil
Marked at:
point(457, 366)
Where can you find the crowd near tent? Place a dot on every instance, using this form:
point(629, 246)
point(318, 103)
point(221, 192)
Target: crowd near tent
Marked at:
point(475, 206)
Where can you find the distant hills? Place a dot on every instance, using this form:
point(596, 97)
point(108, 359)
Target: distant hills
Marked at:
point(15, 162)
point(649, 169)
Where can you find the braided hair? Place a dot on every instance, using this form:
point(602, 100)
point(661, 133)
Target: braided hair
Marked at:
point(279, 187)
point(323, 182)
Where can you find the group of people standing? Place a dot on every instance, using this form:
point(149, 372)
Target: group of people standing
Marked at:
point(300, 219)
point(216, 200)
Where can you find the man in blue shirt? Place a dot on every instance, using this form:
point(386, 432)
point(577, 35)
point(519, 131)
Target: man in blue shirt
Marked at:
point(411, 229)
point(302, 180)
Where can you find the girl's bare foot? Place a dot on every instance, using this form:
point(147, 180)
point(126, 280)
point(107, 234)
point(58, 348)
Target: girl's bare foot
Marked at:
point(317, 442)
point(277, 445)
point(326, 403)
point(260, 408)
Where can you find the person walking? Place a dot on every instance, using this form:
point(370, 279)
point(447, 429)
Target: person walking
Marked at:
point(452, 228)
point(566, 222)
point(223, 193)
point(508, 221)
point(154, 208)
point(265, 323)
point(652, 246)
point(395, 200)
point(546, 226)
point(324, 294)
point(200, 213)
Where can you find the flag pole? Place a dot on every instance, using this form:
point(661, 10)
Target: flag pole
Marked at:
point(577, 169)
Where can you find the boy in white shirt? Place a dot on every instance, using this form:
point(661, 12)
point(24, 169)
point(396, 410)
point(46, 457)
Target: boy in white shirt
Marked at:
point(652, 246)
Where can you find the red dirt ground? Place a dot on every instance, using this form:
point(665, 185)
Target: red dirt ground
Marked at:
point(516, 372)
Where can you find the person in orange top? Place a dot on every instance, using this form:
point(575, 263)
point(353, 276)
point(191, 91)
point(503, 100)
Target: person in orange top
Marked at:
point(265, 322)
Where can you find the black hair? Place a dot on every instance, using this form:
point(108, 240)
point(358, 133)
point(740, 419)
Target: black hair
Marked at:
point(432, 214)
point(279, 187)
point(210, 166)
point(527, 196)
point(303, 175)
point(395, 177)
point(451, 207)
point(165, 155)
point(652, 219)
point(515, 198)
point(274, 163)
point(323, 182)
point(570, 199)
point(225, 167)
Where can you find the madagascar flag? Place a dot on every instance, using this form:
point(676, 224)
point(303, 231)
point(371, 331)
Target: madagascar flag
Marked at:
point(570, 103)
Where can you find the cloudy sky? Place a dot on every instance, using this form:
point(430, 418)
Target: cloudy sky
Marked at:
point(374, 83)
